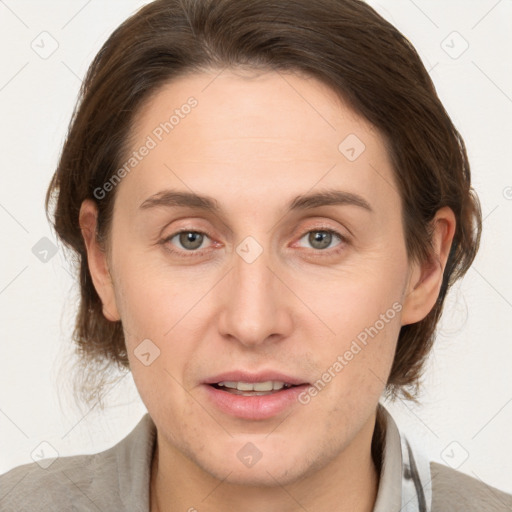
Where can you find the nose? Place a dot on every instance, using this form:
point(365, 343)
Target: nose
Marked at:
point(255, 304)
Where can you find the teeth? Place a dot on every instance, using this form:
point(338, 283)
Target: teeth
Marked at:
point(269, 385)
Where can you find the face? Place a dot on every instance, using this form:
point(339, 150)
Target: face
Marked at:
point(261, 283)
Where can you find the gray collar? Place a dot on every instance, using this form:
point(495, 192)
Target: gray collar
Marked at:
point(405, 483)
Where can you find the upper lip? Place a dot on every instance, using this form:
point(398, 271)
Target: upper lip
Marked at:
point(262, 376)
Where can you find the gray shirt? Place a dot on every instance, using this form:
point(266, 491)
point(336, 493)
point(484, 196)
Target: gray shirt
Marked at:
point(118, 479)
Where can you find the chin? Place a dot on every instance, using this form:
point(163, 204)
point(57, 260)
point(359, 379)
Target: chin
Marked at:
point(243, 463)
point(271, 474)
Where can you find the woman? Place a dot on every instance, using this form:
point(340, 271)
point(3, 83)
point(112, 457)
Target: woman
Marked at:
point(269, 204)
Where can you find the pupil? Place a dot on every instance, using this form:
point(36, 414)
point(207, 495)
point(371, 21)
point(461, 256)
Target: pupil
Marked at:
point(322, 237)
point(190, 240)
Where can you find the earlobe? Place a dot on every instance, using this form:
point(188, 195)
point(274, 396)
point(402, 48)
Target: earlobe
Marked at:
point(97, 260)
point(426, 278)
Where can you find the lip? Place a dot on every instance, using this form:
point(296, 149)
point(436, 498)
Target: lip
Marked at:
point(259, 407)
point(262, 376)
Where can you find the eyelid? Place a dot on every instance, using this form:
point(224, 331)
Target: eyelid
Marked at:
point(324, 227)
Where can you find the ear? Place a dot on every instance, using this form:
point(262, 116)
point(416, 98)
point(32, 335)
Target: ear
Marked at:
point(97, 260)
point(425, 279)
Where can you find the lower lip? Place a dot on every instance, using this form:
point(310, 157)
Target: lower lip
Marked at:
point(258, 407)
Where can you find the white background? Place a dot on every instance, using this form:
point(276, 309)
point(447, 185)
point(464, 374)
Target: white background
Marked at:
point(465, 419)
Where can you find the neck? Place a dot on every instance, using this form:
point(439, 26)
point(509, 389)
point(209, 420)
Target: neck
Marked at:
point(350, 480)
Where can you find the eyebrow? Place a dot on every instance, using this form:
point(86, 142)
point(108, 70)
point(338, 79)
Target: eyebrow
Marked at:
point(170, 198)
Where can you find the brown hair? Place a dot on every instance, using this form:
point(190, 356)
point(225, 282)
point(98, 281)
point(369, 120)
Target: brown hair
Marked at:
point(343, 43)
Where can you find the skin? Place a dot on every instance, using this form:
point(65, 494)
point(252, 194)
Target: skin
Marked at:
point(253, 143)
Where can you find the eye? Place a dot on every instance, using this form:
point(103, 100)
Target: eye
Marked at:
point(190, 241)
point(321, 239)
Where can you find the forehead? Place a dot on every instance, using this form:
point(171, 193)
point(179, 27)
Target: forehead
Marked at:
point(255, 134)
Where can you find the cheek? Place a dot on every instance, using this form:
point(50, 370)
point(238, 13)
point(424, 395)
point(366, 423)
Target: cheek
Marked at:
point(151, 311)
point(355, 365)
point(363, 313)
point(151, 300)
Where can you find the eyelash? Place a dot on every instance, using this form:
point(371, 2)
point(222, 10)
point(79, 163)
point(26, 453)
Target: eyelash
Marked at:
point(316, 252)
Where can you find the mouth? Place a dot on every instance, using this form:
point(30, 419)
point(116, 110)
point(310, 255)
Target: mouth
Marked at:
point(257, 400)
point(252, 388)
point(253, 396)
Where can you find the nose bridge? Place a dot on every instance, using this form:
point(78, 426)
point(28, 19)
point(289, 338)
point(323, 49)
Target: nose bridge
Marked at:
point(253, 309)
